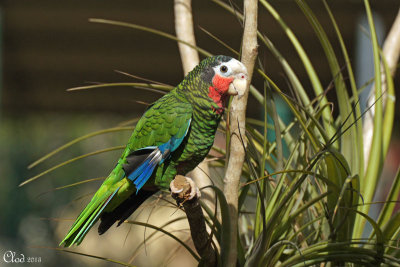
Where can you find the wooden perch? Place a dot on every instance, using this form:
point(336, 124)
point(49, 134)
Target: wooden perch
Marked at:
point(237, 125)
point(187, 194)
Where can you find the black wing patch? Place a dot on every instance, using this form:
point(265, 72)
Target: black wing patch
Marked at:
point(135, 159)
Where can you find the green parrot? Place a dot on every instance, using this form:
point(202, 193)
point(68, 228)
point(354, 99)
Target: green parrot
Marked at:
point(172, 137)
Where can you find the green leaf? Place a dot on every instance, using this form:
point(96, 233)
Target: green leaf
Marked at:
point(146, 86)
point(349, 141)
point(76, 140)
point(357, 109)
point(391, 231)
point(151, 30)
point(370, 180)
point(70, 161)
point(88, 255)
point(160, 229)
point(388, 207)
point(316, 84)
point(225, 241)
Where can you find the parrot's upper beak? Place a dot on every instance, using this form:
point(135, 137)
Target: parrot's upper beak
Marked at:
point(239, 83)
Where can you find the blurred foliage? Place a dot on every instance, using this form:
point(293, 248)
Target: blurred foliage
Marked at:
point(26, 211)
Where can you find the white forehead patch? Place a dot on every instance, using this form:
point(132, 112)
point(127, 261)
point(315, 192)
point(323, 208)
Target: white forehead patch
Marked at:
point(230, 68)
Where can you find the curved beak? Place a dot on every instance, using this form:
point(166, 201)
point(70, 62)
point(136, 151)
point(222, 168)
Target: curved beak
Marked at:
point(238, 86)
point(239, 83)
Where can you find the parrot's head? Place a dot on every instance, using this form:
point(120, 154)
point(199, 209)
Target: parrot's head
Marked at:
point(225, 76)
point(230, 76)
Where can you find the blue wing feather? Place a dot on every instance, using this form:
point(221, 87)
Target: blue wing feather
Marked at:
point(141, 174)
point(148, 170)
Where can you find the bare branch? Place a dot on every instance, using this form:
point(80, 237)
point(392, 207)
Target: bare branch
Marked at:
point(391, 47)
point(238, 120)
point(184, 31)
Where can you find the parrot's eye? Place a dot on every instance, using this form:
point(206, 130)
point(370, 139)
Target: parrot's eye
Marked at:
point(223, 69)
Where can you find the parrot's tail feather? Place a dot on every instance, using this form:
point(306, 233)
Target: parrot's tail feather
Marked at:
point(86, 220)
point(123, 211)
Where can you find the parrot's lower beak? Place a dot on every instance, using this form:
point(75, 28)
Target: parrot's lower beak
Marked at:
point(238, 85)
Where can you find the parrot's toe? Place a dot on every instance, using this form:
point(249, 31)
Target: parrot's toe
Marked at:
point(194, 192)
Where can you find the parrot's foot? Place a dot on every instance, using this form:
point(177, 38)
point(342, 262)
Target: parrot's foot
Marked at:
point(183, 189)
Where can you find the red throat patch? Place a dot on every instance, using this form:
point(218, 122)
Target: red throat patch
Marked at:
point(218, 91)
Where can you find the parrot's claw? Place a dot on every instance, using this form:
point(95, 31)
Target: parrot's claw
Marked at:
point(183, 189)
point(194, 192)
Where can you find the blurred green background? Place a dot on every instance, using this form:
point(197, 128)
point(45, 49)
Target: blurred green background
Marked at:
point(49, 46)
